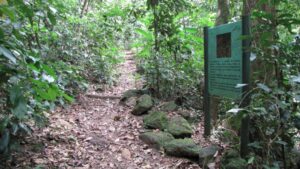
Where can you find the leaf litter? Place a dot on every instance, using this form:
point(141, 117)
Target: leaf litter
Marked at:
point(98, 133)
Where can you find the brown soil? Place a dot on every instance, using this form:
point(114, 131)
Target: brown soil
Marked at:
point(97, 133)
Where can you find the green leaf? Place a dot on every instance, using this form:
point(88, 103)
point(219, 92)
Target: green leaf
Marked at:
point(6, 53)
point(50, 94)
point(255, 144)
point(145, 34)
point(68, 98)
point(52, 18)
point(8, 12)
point(20, 110)
point(281, 142)
point(39, 120)
point(15, 128)
point(3, 123)
point(53, 10)
point(15, 94)
point(191, 30)
point(235, 110)
point(4, 140)
point(26, 10)
point(49, 71)
point(1, 33)
point(264, 87)
point(251, 160)
point(253, 56)
point(25, 128)
point(40, 84)
point(18, 101)
point(240, 85)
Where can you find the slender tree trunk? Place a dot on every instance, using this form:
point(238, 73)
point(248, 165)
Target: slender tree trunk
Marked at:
point(84, 8)
point(156, 48)
point(223, 12)
point(248, 6)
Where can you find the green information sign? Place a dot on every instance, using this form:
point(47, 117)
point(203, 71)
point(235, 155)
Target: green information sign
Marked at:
point(227, 63)
point(225, 60)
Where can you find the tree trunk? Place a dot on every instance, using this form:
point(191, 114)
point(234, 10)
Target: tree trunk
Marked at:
point(248, 6)
point(84, 8)
point(223, 12)
point(156, 48)
point(260, 70)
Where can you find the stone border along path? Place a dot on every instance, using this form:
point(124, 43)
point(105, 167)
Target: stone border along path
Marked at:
point(97, 133)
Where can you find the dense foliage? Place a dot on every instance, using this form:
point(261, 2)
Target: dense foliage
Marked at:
point(274, 109)
point(171, 45)
point(50, 50)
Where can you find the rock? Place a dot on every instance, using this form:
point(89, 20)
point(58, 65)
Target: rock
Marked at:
point(182, 148)
point(130, 93)
point(156, 139)
point(131, 102)
point(236, 163)
point(144, 104)
point(156, 120)
point(190, 100)
point(169, 106)
point(189, 115)
point(179, 127)
point(206, 154)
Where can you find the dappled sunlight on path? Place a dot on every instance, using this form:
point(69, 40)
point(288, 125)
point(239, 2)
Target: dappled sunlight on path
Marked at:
point(97, 132)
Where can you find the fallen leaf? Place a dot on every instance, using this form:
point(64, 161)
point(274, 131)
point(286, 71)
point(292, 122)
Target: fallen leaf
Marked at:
point(126, 154)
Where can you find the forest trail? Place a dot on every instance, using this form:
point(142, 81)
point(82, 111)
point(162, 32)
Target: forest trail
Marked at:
point(97, 133)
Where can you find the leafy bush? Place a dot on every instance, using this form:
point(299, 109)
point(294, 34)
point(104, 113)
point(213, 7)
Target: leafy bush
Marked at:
point(171, 46)
point(48, 51)
point(274, 109)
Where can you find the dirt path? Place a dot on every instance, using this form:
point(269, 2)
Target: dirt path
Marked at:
point(97, 133)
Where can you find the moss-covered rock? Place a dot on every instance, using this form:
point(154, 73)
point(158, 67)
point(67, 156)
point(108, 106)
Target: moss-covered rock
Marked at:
point(144, 104)
point(179, 127)
point(156, 139)
point(190, 116)
point(130, 93)
point(169, 106)
point(156, 120)
point(206, 154)
point(182, 148)
point(236, 163)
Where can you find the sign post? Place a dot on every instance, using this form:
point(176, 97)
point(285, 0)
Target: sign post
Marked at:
point(246, 80)
point(227, 64)
point(206, 102)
